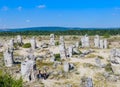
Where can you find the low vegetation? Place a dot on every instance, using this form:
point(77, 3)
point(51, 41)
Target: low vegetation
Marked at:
point(26, 45)
point(6, 80)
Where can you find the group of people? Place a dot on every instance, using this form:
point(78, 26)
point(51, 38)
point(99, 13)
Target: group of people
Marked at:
point(42, 75)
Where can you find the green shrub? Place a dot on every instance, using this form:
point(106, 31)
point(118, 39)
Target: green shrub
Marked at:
point(27, 45)
point(108, 68)
point(7, 81)
point(106, 35)
point(57, 57)
point(100, 57)
point(57, 43)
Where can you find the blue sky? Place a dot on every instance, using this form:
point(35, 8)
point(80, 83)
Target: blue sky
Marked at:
point(65, 13)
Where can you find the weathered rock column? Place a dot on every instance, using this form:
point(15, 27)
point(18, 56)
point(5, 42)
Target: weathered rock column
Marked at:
point(33, 43)
point(28, 69)
point(97, 41)
point(62, 48)
point(85, 41)
point(70, 51)
point(52, 40)
point(8, 58)
point(101, 44)
point(105, 44)
point(19, 39)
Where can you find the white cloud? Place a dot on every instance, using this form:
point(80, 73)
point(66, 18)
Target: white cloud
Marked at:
point(41, 6)
point(28, 21)
point(4, 8)
point(19, 8)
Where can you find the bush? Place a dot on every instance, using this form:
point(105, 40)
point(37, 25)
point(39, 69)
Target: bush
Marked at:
point(100, 57)
point(57, 43)
point(106, 35)
point(57, 57)
point(7, 81)
point(108, 67)
point(27, 45)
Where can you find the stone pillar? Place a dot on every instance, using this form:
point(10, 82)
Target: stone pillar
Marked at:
point(62, 51)
point(19, 39)
point(52, 40)
point(28, 68)
point(33, 43)
point(101, 44)
point(85, 41)
point(66, 67)
point(89, 82)
point(97, 41)
point(70, 51)
point(105, 44)
point(11, 44)
point(61, 40)
point(77, 44)
point(62, 48)
point(8, 58)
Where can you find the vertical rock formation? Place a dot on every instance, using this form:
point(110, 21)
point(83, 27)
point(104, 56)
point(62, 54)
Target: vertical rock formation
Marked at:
point(62, 48)
point(33, 43)
point(28, 69)
point(85, 41)
point(8, 57)
point(52, 40)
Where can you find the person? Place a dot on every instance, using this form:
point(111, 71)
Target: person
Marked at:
point(45, 75)
point(39, 76)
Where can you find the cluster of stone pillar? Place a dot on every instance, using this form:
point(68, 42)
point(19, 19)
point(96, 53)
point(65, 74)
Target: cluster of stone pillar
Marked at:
point(100, 43)
point(28, 68)
point(52, 40)
point(85, 41)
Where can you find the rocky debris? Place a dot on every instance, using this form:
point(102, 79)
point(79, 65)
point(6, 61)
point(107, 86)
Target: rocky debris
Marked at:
point(76, 51)
point(68, 85)
point(52, 57)
point(67, 67)
point(86, 52)
point(115, 60)
point(52, 40)
point(86, 82)
point(44, 45)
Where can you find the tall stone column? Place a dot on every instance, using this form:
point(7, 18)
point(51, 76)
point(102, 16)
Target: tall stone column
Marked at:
point(105, 44)
point(62, 48)
point(97, 41)
point(52, 40)
point(33, 43)
point(101, 44)
point(8, 58)
point(19, 39)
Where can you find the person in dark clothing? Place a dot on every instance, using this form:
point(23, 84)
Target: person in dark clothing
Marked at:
point(39, 75)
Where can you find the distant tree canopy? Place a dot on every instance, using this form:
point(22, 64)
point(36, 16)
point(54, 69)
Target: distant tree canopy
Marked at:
point(100, 32)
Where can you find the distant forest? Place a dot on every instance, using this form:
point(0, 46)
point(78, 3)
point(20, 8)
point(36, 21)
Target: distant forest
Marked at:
point(60, 31)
